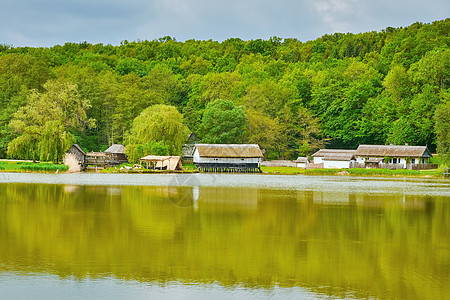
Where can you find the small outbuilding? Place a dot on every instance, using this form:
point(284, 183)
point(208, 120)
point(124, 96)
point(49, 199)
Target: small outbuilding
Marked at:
point(334, 158)
point(339, 160)
point(95, 159)
point(228, 157)
point(156, 162)
point(301, 162)
point(75, 158)
point(115, 155)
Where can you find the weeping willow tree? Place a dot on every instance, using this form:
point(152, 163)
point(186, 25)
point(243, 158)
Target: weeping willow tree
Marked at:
point(43, 125)
point(162, 124)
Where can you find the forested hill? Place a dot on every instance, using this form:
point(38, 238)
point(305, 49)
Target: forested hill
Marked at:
point(291, 97)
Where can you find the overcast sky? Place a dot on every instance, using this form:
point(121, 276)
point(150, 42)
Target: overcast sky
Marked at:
point(54, 22)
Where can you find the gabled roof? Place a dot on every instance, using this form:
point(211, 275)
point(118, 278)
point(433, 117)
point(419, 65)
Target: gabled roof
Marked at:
point(116, 149)
point(329, 152)
point(302, 160)
point(229, 150)
point(159, 158)
point(392, 151)
point(78, 148)
point(374, 160)
point(340, 156)
point(172, 162)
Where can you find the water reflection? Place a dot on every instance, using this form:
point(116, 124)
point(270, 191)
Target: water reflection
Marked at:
point(341, 244)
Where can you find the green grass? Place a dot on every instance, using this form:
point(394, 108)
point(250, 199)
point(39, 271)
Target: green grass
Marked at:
point(358, 172)
point(25, 166)
point(400, 172)
point(187, 168)
point(282, 170)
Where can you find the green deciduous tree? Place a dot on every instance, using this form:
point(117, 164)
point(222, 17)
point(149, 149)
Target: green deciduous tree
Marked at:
point(223, 122)
point(159, 123)
point(442, 128)
point(263, 130)
point(136, 151)
point(43, 125)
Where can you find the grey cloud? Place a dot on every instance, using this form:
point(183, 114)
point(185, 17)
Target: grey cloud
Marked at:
point(50, 22)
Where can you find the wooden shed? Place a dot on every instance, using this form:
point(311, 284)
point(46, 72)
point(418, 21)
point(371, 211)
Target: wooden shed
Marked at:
point(115, 155)
point(228, 157)
point(96, 159)
point(157, 162)
point(75, 158)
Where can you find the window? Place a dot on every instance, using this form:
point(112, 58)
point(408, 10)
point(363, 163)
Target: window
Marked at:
point(413, 160)
point(394, 160)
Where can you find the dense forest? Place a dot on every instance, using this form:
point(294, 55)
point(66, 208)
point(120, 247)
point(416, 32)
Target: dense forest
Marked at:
point(290, 97)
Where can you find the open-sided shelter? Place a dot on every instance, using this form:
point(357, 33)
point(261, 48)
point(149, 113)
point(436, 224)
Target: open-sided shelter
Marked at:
point(157, 162)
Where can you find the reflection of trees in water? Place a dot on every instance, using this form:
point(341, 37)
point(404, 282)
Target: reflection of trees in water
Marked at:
point(365, 244)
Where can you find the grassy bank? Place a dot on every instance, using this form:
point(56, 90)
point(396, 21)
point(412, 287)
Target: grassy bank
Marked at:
point(26, 166)
point(437, 173)
point(128, 168)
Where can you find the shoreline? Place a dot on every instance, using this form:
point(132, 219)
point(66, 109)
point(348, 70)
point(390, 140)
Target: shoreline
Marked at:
point(8, 166)
point(329, 184)
point(434, 174)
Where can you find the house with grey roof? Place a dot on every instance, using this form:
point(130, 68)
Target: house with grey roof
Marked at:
point(334, 158)
point(228, 157)
point(393, 155)
point(115, 155)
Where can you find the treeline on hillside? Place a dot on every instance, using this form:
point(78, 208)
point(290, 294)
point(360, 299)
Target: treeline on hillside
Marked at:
point(291, 97)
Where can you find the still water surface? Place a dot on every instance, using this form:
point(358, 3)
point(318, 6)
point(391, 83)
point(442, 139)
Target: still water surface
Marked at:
point(112, 236)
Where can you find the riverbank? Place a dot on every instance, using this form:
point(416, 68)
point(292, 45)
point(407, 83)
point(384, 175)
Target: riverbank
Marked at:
point(435, 173)
point(30, 166)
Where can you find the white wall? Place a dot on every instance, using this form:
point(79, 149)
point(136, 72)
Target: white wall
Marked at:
point(301, 165)
point(318, 160)
point(401, 161)
point(336, 164)
point(229, 160)
point(360, 160)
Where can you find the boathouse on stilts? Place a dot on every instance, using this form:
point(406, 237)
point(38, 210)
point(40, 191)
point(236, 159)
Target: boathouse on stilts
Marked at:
point(233, 158)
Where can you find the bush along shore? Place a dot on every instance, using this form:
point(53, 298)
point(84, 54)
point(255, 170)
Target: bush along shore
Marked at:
point(29, 166)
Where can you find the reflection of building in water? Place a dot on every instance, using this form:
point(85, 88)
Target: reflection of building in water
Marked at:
point(368, 200)
point(210, 197)
point(227, 198)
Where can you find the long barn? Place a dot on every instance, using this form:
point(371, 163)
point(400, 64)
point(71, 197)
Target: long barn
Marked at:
point(228, 157)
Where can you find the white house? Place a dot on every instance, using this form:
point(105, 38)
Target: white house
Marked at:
point(301, 162)
point(334, 158)
point(401, 156)
point(228, 157)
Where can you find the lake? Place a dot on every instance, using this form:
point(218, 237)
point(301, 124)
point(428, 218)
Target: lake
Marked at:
point(223, 236)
